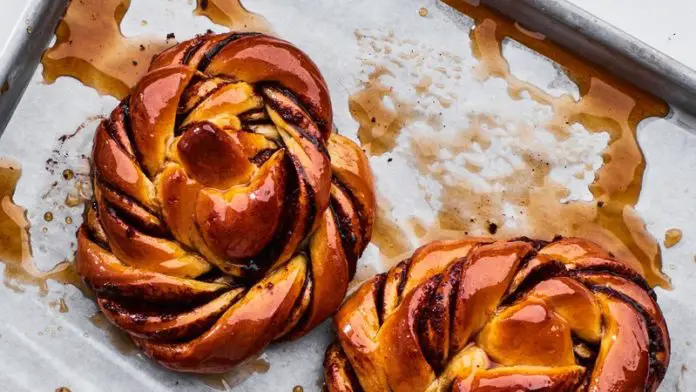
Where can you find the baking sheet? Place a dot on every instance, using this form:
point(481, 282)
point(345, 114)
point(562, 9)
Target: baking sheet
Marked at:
point(42, 348)
point(674, 38)
point(25, 29)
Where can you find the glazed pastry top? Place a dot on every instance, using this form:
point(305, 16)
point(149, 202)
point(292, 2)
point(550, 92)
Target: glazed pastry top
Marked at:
point(227, 212)
point(479, 315)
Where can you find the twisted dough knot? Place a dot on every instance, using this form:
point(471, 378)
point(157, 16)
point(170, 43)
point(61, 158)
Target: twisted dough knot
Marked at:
point(226, 212)
point(476, 315)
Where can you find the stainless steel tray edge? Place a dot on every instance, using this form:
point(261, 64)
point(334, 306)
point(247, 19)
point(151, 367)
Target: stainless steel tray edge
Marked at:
point(23, 49)
point(606, 45)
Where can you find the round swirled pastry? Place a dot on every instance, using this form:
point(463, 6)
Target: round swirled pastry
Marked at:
point(507, 316)
point(227, 214)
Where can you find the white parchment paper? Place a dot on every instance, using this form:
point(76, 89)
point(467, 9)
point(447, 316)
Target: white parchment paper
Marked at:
point(42, 349)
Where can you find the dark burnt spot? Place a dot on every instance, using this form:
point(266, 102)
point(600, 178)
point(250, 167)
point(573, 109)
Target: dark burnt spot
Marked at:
point(262, 156)
point(536, 244)
point(492, 228)
point(617, 269)
point(379, 283)
point(362, 217)
point(431, 323)
point(191, 50)
point(130, 232)
point(348, 237)
point(538, 274)
point(585, 352)
point(403, 274)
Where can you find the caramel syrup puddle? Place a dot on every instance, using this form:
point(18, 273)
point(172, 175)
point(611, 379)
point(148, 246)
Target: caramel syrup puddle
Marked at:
point(15, 251)
point(246, 369)
point(606, 105)
point(91, 48)
point(379, 126)
point(60, 305)
point(387, 235)
point(233, 15)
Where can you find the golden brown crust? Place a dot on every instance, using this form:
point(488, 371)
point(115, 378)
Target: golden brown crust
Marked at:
point(501, 316)
point(226, 213)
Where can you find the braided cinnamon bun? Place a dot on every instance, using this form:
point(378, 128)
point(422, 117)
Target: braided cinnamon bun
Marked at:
point(520, 315)
point(226, 213)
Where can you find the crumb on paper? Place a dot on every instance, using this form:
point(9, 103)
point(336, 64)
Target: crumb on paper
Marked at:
point(423, 12)
point(68, 174)
point(171, 36)
point(492, 228)
point(672, 237)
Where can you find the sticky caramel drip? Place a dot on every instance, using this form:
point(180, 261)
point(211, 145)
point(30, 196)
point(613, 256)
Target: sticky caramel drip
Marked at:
point(379, 126)
point(387, 235)
point(233, 15)
point(606, 105)
point(224, 382)
point(90, 47)
point(15, 251)
point(60, 305)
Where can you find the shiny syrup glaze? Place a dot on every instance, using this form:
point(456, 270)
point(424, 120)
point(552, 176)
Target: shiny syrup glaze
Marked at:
point(232, 14)
point(525, 345)
point(607, 104)
point(264, 58)
point(15, 253)
point(153, 110)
